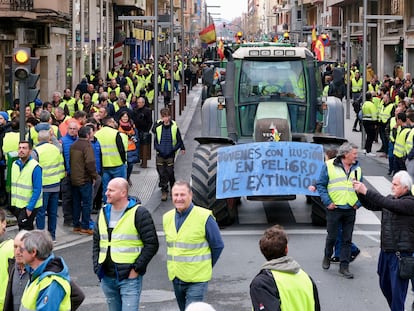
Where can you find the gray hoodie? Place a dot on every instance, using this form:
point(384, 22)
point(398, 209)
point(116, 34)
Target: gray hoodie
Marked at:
point(283, 264)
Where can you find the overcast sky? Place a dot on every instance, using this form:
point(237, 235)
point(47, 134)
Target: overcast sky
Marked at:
point(229, 9)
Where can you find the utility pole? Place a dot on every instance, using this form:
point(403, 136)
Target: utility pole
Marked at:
point(155, 19)
point(172, 50)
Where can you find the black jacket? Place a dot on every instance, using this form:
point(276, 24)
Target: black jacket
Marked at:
point(145, 226)
point(142, 118)
point(397, 221)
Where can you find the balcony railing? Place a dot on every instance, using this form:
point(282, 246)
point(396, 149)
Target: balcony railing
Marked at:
point(16, 5)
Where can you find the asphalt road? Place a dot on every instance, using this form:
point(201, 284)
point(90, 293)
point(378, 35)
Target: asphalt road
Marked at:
point(241, 258)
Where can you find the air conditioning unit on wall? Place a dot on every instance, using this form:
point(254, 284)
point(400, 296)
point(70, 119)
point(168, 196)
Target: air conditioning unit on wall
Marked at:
point(26, 36)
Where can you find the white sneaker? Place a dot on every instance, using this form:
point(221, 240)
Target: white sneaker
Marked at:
point(371, 154)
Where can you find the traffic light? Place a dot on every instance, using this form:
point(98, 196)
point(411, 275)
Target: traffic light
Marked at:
point(32, 89)
point(21, 63)
point(24, 71)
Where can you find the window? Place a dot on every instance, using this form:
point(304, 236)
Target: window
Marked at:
point(272, 81)
point(411, 15)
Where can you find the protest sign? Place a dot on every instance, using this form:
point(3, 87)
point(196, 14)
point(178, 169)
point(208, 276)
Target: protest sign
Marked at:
point(268, 168)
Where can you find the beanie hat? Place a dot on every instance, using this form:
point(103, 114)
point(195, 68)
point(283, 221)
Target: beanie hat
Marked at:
point(5, 115)
point(38, 102)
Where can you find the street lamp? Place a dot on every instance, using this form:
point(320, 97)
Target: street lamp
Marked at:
point(205, 12)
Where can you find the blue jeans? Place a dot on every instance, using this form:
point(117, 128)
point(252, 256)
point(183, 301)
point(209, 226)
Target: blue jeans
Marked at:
point(110, 173)
point(122, 295)
point(50, 205)
point(177, 86)
point(186, 293)
point(390, 157)
point(392, 286)
point(82, 204)
point(338, 244)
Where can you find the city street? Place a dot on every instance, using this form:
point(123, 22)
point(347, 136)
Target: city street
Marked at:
point(267, 87)
point(241, 258)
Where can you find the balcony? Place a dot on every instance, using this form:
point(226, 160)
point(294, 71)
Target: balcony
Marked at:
point(131, 3)
point(17, 9)
point(12, 5)
point(341, 3)
point(52, 6)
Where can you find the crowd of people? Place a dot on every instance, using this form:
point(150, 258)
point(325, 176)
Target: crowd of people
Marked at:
point(385, 112)
point(81, 147)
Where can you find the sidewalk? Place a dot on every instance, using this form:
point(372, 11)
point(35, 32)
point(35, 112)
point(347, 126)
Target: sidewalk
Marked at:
point(356, 138)
point(144, 181)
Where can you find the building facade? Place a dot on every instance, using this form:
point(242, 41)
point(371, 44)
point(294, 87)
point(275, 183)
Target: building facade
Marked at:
point(42, 26)
point(76, 38)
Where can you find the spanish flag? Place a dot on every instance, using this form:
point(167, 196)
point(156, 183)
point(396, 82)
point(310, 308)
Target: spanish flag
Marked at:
point(208, 35)
point(319, 49)
point(314, 38)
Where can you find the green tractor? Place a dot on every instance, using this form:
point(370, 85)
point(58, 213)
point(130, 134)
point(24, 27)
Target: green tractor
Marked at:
point(269, 87)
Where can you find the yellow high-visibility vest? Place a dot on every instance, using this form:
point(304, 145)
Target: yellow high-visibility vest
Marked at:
point(33, 289)
point(174, 128)
point(6, 253)
point(369, 111)
point(125, 244)
point(110, 154)
point(295, 290)
point(356, 85)
point(340, 187)
point(188, 251)
point(22, 184)
point(51, 162)
point(400, 141)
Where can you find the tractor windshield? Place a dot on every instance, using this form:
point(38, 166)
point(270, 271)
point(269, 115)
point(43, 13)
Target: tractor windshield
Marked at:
point(272, 81)
point(262, 80)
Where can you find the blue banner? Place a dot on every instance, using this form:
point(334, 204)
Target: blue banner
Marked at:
point(268, 168)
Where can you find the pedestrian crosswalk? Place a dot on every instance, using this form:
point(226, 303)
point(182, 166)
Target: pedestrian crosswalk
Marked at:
point(257, 212)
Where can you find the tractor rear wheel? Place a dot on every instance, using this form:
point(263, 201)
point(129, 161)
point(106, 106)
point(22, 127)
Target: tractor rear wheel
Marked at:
point(203, 182)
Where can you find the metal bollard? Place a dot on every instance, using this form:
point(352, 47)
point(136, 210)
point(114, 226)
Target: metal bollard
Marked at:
point(171, 106)
point(185, 96)
point(180, 102)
